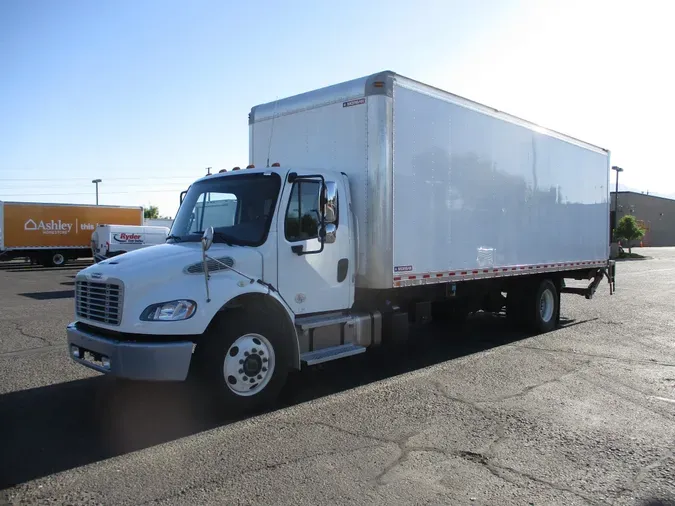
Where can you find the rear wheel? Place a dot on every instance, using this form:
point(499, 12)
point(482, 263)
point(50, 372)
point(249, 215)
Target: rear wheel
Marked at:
point(54, 259)
point(543, 307)
point(533, 306)
point(245, 360)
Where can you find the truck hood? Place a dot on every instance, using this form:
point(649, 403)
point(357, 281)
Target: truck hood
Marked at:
point(160, 264)
point(169, 272)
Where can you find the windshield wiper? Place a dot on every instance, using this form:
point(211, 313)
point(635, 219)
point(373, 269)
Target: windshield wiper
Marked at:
point(221, 237)
point(174, 238)
point(227, 239)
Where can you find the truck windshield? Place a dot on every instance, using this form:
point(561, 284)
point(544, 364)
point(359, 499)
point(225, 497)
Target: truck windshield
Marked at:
point(238, 207)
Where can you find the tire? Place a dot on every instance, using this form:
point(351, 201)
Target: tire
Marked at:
point(224, 360)
point(54, 259)
point(542, 307)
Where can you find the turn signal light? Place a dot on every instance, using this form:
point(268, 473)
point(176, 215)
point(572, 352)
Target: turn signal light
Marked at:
point(236, 168)
point(251, 166)
point(276, 164)
point(222, 170)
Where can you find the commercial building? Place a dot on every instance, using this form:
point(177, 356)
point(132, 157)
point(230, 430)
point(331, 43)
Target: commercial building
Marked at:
point(655, 214)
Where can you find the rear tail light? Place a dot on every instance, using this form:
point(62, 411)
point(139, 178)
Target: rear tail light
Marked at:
point(107, 247)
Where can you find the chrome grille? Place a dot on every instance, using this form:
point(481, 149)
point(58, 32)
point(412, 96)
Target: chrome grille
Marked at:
point(99, 302)
point(212, 264)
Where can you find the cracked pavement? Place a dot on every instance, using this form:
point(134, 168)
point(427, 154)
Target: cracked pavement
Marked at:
point(582, 415)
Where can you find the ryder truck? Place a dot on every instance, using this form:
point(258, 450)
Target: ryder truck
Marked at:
point(394, 203)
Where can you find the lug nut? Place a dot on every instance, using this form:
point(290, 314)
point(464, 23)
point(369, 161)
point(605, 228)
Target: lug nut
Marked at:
point(246, 353)
point(241, 371)
point(241, 361)
point(264, 369)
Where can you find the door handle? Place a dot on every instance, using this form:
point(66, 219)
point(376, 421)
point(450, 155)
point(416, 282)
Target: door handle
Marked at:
point(342, 268)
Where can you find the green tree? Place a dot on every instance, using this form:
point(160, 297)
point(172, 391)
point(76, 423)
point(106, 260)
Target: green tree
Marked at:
point(151, 213)
point(629, 230)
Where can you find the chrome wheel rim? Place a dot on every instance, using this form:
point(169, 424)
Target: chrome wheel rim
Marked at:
point(249, 365)
point(546, 305)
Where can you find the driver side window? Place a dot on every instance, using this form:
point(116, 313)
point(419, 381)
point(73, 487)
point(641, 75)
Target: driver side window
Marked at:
point(303, 215)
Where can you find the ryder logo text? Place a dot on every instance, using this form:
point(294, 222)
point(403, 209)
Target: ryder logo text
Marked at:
point(128, 238)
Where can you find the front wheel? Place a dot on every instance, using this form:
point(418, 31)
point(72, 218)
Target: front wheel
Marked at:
point(245, 361)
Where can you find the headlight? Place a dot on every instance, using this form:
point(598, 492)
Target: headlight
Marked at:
point(169, 311)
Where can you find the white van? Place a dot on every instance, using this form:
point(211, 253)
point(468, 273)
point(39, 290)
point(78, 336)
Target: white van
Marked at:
point(111, 240)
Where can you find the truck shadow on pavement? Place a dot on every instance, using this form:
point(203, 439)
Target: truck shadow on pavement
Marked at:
point(27, 267)
point(59, 294)
point(59, 427)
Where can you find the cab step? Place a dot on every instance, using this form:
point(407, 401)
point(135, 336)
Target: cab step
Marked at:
point(332, 353)
point(322, 320)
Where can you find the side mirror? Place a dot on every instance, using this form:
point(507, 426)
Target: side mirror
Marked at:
point(182, 195)
point(328, 234)
point(207, 239)
point(329, 202)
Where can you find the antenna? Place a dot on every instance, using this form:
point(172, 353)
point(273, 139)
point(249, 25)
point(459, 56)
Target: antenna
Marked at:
point(208, 171)
point(269, 147)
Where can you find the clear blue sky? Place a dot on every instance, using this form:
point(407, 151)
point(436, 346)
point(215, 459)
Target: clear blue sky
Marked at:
point(146, 94)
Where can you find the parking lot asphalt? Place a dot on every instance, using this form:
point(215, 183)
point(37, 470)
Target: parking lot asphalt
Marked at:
point(581, 415)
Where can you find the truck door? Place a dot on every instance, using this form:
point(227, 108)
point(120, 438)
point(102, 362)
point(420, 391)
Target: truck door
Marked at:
point(312, 279)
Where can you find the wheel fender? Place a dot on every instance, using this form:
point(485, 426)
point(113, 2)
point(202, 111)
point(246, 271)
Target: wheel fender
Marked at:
point(260, 299)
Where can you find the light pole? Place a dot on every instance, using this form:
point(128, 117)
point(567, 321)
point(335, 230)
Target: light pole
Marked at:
point(96, 182)
point(616, 200)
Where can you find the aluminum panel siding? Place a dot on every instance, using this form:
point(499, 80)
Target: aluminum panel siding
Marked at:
point(376, 225)
point(473, 190)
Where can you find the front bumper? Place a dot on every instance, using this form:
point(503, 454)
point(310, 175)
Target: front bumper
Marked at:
point(131, 360)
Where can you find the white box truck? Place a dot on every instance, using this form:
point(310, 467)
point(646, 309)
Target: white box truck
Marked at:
point(109, 241)
point(389, 203)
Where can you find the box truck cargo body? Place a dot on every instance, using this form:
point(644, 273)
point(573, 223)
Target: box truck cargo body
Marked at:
point(368, 208)
point(51, 234)
point(441, 184)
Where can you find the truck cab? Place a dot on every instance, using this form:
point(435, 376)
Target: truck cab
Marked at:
point(278, 230)
point(251, 254)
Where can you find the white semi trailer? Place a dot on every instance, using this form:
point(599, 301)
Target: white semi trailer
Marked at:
point(392, 203)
